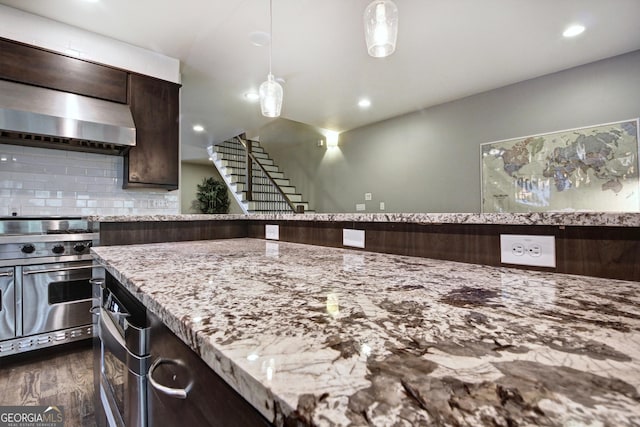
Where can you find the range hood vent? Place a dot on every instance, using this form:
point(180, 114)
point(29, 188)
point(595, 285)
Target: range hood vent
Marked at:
point(47, 118)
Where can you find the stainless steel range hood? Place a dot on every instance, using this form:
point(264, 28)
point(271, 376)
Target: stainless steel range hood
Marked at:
point(47, 118)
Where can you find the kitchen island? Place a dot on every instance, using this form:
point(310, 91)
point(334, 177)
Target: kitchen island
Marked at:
point(330, 336)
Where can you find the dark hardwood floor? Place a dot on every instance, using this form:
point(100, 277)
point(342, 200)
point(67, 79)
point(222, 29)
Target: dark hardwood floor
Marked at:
point(58, 376)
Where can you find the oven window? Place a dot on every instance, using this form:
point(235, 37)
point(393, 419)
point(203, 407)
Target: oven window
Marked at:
point(69, 290)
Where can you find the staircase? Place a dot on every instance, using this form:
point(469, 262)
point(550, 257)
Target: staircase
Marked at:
point(267, 192)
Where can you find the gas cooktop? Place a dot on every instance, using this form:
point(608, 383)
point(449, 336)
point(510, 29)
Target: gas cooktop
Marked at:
point(37, 239)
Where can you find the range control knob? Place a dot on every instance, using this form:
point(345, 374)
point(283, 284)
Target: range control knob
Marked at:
point(58, 249)
point(28, 249)
point(79, 247)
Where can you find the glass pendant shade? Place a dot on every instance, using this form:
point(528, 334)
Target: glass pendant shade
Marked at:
point(381, 28)
point(270, 97)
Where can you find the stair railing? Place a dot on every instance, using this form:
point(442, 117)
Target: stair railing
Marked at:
point(249, 175)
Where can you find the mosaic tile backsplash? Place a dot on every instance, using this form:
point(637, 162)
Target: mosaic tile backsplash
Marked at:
point(38, 181)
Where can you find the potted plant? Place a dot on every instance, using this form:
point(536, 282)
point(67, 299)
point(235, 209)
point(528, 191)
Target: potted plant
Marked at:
point(212, 196)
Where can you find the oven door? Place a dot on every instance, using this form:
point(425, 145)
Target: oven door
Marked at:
point(56, 296)
point(123, 373)
point(7, 304)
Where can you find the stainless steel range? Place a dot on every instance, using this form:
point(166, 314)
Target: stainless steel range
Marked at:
point(45, 294)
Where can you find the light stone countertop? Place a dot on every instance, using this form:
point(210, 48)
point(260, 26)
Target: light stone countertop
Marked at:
point(336, 337)
point(607, 219)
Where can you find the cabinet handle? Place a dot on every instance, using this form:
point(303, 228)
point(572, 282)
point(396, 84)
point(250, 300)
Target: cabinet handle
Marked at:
point(178, 393)
point(95, 310)
point(7, 274)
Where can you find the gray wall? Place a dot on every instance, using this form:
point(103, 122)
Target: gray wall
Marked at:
point(428, 161)
point(191, 175)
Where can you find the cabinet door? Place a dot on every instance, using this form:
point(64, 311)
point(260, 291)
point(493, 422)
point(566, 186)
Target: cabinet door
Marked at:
point(39, 67)
point(210, 401)
point(154, 161)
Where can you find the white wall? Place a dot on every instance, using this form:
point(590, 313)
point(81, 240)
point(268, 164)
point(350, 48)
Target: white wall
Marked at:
point(39, 181)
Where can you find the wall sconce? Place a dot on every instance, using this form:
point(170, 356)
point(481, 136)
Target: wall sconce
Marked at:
point(332, 138)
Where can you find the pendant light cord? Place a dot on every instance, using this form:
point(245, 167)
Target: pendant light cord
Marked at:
point(270, 33)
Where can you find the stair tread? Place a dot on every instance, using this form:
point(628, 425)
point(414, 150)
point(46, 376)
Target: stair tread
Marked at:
point(230, 159)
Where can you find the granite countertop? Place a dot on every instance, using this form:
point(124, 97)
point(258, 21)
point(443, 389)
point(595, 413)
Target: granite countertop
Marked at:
point(335, 337)
point(607, 219)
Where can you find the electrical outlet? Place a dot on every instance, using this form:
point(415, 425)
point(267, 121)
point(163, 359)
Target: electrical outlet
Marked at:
point(272, 232)
point(367, 196)
point(360, 206)
point(381, 206)
point(539, 251)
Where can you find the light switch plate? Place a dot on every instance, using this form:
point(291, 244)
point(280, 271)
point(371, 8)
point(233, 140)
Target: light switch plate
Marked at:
point(539, 251)
point(367, 196)
point(272, 232)
point(353, 238)
point(361, 206)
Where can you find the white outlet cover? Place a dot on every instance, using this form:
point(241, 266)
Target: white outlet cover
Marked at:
point(539, 251)
point(367, 196)
point(361, 206)
point(272, 232)
point(381, 206)
point(353, 238)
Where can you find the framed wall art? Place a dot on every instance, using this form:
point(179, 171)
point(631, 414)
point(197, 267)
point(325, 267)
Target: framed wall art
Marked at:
point(593, 168)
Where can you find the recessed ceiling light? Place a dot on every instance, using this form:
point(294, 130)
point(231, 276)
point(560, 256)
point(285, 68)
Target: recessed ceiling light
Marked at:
point(251, 96)
point(573, 30)
point(198, 128)
point(364, 103)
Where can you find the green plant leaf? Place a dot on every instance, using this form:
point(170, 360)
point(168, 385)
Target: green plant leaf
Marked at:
point(212, 196)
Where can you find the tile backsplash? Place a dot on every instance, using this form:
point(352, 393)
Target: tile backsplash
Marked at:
point(39, 181)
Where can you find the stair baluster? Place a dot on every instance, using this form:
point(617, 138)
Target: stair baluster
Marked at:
point(251, 183)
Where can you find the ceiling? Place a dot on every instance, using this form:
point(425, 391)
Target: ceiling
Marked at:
point(447, 49)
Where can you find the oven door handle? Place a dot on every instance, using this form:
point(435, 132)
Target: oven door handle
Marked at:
point(178, 393)
point(56, 270)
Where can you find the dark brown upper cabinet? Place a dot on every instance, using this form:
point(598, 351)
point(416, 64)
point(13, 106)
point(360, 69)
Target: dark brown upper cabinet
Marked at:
point(31, 65)
point(154, 161)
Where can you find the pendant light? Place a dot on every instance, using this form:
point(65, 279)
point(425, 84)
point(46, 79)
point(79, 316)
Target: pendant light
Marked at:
point(381, 28)
point(270, 90)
